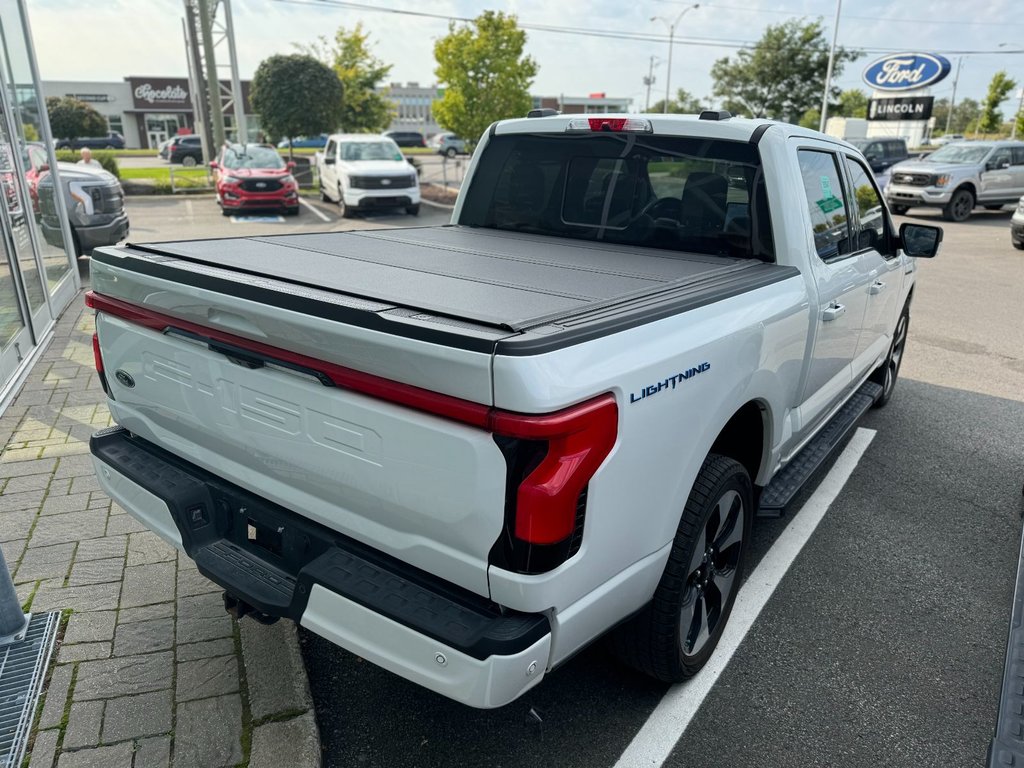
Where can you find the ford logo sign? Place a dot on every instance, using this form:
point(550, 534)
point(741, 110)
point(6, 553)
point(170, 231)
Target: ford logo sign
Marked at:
point(124, 377)
point(906, 71)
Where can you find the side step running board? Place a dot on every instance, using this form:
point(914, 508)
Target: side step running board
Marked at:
point(785, 486)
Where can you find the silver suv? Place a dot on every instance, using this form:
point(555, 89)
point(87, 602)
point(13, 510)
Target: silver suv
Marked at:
point(958, 177)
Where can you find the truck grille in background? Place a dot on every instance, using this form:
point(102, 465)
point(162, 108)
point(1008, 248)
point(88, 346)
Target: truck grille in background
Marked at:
point(913, 179)
point(107, 199)
point(383, 182)
point(261, 185)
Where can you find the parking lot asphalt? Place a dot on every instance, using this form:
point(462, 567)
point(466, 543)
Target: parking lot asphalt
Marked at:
point(882, 644)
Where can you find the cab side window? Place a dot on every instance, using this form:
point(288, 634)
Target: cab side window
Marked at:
point(826, 203)
point(331, 149)
point(1018, 155)
point(871, 226)
point(999, 158)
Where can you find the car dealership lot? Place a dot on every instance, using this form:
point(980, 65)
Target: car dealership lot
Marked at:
point(881, 645)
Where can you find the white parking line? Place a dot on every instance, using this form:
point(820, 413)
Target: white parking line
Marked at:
point(314, 209)
point(656, 739)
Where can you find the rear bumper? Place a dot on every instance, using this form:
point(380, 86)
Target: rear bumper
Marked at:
point(409, 622)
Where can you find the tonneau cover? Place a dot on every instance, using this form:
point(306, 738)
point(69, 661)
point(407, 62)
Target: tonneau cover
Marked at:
point(507, 280)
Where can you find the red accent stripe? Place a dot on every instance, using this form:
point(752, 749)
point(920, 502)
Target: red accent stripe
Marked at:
point(464, 411)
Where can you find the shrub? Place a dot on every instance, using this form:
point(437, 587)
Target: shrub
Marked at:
point(105, 157)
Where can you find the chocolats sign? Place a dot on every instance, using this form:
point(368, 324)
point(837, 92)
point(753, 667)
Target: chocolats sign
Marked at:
point(906, 71)
point(159, 94)
point(903, 108)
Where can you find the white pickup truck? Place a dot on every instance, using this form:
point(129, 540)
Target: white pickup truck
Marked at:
point(465, 452)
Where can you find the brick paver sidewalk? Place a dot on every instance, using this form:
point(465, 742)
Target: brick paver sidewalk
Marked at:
point(150, 672)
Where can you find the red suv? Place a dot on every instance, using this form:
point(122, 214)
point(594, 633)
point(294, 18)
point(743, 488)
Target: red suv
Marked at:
point(254, 177)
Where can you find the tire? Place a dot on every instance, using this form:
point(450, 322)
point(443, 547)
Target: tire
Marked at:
point(413, 210)
point(888, 372)
point(899, 210)
point(959, 206)
point(450, 153)
point(188, 161)
point(292, 211)
point(226, 212)
point(994, 207)
point(323, 195)
point(1018, 244)
point(346, 211)
point(676, 633)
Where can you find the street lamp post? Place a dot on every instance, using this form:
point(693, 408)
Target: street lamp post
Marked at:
point(952, 101)
point(671, 35)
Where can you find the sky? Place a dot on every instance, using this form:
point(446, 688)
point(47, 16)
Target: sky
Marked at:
point(117, 38)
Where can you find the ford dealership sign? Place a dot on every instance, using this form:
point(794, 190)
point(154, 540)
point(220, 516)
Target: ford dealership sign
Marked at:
point(906, 71)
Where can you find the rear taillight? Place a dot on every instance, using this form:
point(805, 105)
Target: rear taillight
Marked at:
point(612, 124)
point(98, 358)
point(550, 460)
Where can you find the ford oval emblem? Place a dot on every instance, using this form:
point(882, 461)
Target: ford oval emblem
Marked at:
point(906, 71)
point(124, 377)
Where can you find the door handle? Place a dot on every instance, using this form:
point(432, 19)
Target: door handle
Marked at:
point(833, 311)
point(876, 288)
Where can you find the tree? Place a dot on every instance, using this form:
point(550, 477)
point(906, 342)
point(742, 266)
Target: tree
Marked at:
point(852, 103)
point(295, 95)
point(365, 109)
point(486, 74)
point(998, 89)
point(964, 113)
point(811, 119)
point(685, 103)
point(71, 118)
point(783, 76)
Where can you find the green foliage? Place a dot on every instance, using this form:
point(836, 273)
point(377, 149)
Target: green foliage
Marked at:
point(685, 103)
point(105, 157)
point(866, 198)
point(998, 89)
point(965, 115)
point(852, 103)
point(811, 119)
point(487, 75)
point(783, 76)
point(364, 109)
point(71, 118)
point(295, 95)
point(31, 132)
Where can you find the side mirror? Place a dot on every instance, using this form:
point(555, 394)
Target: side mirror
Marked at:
point(872, 158)
point(330, 160)
point(920, 240)
point(996, 165)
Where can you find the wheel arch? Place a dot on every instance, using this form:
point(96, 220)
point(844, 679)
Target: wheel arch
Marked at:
point(969, 186)
point(746, 437)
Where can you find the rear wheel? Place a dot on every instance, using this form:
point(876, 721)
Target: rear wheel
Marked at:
point(450, 152)
point(959, 206)
point(675, 635)
point(887, 373)
point(188, 161)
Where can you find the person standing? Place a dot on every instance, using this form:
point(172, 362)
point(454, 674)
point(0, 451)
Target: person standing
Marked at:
point(85, 158)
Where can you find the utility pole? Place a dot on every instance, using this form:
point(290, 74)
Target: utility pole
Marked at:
point(671, 36)
point(649, 81)
point(238, 103)
point(952, 101)
point(212, 83)
point(831, 64)
point(197, 85)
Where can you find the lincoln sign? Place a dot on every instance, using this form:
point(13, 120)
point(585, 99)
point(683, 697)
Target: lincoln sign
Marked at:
point(906, 71)
point(903, 108)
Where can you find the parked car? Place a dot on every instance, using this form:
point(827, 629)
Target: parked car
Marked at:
point(36, 163)
point(947, 138)
point(187, 150)
point(1017, 226)
point(95, 204)
point(316, 142)
point(958, 177)
point(448, 144)
point(406, 138)
point(112, 140)
point(882, 154)
point(363, 172)
point(254, 177)
point(465, 452)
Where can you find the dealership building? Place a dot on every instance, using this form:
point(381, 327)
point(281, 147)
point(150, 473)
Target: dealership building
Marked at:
point(147, 110)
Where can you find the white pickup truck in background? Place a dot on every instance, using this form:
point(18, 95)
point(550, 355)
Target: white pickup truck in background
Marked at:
point(364, 171)
point(466, 452)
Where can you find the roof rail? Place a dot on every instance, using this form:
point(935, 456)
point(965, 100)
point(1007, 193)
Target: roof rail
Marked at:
point(545, 112)
point(714, 114)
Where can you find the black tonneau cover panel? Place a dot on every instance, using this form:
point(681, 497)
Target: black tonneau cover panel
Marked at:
point(507, 280)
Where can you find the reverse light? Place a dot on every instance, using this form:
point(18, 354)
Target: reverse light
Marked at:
point(611, 124)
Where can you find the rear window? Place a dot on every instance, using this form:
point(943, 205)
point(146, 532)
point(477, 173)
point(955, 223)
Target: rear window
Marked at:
point(682, 194)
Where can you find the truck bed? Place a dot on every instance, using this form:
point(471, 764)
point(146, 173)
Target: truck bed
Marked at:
point(517, 293)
